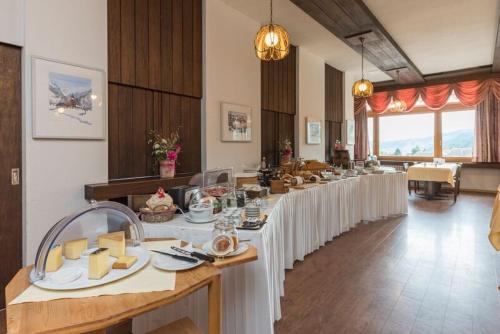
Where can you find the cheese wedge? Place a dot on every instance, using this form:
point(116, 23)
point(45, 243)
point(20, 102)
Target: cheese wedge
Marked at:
point(124, 262)
point(74, 248)
point(99, 263)
point(54, 259)
point(115, 242)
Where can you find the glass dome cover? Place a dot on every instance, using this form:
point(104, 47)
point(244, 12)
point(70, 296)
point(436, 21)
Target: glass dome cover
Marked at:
point(134, 231)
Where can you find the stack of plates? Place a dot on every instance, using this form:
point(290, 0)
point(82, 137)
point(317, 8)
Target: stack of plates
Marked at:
point(252, 212)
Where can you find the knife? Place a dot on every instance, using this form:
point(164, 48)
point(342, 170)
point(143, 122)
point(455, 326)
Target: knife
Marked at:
point(198, 255)
point(177, 257)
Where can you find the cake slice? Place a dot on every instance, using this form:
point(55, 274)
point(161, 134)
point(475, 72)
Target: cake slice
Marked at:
point(99, 263)
point(74, 248)
point(114, 241)
point(54, 259)
point(124, 262)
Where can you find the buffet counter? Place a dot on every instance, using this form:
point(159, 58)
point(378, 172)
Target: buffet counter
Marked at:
point(299, 222)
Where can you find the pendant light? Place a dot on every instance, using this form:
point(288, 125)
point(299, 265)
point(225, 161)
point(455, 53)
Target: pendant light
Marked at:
point(397, 105)
point(272, 41)
point(362, 88)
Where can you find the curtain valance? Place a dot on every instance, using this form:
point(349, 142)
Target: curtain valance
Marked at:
point(469, 93)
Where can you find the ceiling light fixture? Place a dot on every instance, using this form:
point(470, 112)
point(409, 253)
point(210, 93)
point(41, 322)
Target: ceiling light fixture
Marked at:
point(397, 105)
point(272, 41)
point(362, 88)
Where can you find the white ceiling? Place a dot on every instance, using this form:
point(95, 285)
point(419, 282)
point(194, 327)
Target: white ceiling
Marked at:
point(441, 35)
point(437, 35)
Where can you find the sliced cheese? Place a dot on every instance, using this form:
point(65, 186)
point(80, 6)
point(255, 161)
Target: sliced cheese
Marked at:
point(74, 248)
point(115, 242)
point(124, 262)
point(99, 263)
point(54, 259)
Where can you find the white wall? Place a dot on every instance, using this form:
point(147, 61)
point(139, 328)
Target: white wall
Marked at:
point(12, 22)
point(480, 179)
point(54, 171)
point(232, 74)
point(311, 101)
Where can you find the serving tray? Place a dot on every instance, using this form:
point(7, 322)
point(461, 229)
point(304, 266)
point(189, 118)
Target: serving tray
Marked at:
point(73, 274)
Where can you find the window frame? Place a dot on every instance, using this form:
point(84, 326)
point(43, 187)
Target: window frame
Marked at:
point(438, 134)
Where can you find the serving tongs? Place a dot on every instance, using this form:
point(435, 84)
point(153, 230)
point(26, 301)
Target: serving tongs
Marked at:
point(198, 255)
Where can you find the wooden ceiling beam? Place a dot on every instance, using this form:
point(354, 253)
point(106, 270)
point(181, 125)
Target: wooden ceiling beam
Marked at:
point(347, 19)
point(474, 73)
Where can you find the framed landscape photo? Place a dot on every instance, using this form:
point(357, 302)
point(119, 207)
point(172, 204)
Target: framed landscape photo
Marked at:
point(350, 131)
point(68, 100)
point(313, 132)
point(236, 122)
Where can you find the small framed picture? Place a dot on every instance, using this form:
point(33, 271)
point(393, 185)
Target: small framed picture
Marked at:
point(349, 124)
point(68, 100)
point(236, 122)
point(313, 132)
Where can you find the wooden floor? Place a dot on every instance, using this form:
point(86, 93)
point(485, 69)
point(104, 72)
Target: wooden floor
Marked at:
point(432, 271)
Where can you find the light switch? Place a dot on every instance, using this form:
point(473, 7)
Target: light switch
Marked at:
point(14, 176)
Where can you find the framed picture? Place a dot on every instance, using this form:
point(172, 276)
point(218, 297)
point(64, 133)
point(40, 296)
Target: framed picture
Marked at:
point(236, 122)
point(350, 131)
point(68, 100)
point(313, 132)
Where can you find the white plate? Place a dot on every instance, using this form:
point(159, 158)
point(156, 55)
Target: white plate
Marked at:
point(165, 262)
point(73, 274)
point(242, 248)
point(211, 220)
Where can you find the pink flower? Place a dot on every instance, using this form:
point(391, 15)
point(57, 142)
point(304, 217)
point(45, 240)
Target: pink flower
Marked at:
point(177, 148)
point(172, 155)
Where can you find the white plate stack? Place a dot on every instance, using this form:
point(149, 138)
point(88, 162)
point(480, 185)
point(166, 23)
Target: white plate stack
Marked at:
point(252, 212)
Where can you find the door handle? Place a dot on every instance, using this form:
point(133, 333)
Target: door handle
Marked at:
point(14, 176)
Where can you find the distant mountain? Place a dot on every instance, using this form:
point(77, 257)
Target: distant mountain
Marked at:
point(455, 141)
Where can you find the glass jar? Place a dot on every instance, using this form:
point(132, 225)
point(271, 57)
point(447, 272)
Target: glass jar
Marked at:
point(222, 238)
point(240, 198)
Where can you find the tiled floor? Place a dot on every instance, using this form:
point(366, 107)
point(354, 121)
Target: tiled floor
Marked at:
point(432, 271)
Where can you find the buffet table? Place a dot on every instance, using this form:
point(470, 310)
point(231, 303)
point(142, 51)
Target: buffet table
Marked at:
point(299, 222)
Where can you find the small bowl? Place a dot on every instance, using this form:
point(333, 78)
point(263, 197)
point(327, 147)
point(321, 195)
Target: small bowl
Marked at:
point(201, 211)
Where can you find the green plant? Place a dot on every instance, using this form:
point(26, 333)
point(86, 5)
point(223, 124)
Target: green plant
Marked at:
point(165, 148)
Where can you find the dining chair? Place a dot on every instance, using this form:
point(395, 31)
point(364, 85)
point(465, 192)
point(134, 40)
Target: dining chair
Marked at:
point(414, 184)
point(454, 191)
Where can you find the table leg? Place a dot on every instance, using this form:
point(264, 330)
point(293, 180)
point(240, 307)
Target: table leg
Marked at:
point(214, 306)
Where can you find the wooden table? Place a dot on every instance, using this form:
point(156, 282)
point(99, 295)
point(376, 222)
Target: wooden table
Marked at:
point(99, 313)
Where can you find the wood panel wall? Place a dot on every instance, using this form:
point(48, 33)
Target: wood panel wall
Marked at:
point(334, 108)
point(278, 104)
point(10, 157)
point(155, 81)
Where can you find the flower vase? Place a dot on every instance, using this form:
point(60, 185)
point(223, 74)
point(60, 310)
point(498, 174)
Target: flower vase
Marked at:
point(285, 158)
point(167, 169)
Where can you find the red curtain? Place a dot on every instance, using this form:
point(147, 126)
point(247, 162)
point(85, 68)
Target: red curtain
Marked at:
point(469, 93)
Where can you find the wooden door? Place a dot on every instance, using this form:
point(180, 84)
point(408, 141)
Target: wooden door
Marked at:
point(10, 163)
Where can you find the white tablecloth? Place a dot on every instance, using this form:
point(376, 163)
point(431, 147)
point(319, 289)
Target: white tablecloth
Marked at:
point(299, 223)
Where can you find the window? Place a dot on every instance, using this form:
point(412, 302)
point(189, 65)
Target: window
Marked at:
point(370, 134)
point(408, 135)
point(423, 134)
point(458, 133)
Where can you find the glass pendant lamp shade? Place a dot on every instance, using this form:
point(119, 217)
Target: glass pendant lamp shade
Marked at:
point(272, 41)
point(362, 88)
point(397, 105)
